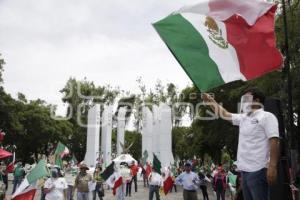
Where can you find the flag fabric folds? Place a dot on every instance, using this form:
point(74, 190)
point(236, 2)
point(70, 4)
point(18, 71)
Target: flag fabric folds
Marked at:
point(112, 178)
point(60, 151)
point(108, 171)
point(4, 154)
point(217, 41)
point(27, 194)
point(156, 164)
point(10, 167)
point(116, 182)
point(39, 171)
point(168, 184)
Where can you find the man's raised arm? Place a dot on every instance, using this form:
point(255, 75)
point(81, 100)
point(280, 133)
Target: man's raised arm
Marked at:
point(218, 109)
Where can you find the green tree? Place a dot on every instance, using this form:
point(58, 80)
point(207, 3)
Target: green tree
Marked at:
point(1, 68)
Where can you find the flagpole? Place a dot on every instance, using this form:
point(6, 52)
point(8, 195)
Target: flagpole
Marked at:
point(287, 71)
point(291, 137)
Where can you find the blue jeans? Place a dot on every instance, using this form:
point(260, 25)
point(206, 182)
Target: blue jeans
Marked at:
point(82, 196)
point(154, 189)
point(70, 192)
point(17, 181)
point(120, 192)
point(255, 185)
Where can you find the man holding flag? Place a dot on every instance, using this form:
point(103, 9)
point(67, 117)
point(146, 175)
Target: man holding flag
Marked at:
point(155, 182)
point(217, 42)
point(155, 179)
point(258, 147)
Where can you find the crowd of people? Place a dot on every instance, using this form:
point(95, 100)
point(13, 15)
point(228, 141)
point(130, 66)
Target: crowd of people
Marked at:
point(257, 164)
point(80, 181)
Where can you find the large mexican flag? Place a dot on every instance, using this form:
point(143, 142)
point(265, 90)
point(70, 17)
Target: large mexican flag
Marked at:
point(220, 41)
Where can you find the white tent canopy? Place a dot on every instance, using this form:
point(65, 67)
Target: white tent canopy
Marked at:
point(124, 158)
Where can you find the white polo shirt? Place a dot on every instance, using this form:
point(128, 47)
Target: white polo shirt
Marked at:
point(155, 179)
point(255, 130)
point(58, 185)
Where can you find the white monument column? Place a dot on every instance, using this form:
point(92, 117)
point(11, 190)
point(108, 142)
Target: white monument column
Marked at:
point(106, 135)
point(155, 133)
point(121, 129)
point(165, 137)
point(147, 133)
point(93, 129)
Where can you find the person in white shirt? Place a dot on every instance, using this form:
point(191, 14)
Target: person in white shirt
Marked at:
point(123, 171)
point(70, 175)
point(55, 187)
point(155, 182)
point(189, 181)
point(258, 147)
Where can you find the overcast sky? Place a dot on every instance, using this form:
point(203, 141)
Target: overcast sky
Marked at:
point(44, 42)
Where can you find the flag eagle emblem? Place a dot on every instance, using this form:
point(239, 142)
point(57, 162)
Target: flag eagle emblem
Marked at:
point(215, 33)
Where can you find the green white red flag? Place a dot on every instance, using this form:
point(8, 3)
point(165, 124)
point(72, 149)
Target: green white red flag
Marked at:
point(60, 151)
point(168, 184)
point(27, 194)
point(220, 41)
point(39, 171)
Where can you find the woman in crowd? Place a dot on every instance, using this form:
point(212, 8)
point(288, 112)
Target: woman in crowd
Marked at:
point(99, 183)
point(55, 187)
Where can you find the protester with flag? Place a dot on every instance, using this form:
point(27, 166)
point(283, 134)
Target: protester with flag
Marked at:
point(125, 173)
point(99, 189)
point(189, 181)
point(26, 189)
point(155, 182)
point(19, 174)
point(258, 147)
point(155, 179)
point(55, 187)
point(82, 183)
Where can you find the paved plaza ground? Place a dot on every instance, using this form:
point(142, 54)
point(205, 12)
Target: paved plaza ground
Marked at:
point(142, 194)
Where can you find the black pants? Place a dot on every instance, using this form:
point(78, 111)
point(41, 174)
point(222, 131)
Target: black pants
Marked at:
point(175, 188)
point(220, 194)
point(98, 190)
point(5, 181)
point(190, 195)
point(204, 192)
point(146, 182)
point(135, 182)
point(128, 188)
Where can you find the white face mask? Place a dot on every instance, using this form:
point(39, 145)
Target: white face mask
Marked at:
point(246, 103)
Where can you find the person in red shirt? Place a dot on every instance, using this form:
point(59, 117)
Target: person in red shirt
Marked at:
point(220, 184)
point(134, 171)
